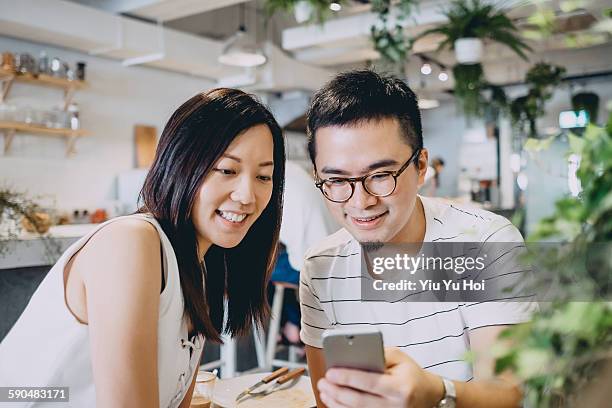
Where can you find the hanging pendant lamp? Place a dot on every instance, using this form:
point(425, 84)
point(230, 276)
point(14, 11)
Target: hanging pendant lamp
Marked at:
point(242, 50)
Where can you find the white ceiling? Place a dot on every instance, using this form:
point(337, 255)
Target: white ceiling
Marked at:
point(343, 41)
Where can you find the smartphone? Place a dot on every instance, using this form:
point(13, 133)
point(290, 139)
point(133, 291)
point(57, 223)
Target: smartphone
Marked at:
point(360, 349)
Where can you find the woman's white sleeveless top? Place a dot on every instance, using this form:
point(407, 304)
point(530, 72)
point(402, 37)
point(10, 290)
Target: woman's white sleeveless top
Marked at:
point(48, 347)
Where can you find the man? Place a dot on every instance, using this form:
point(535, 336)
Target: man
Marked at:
point(367, 129)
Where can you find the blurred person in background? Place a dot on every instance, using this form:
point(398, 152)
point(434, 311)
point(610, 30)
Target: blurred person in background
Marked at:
point(432, 178)
point(306, 221)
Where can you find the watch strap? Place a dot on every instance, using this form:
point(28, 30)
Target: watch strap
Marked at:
point(450, 394)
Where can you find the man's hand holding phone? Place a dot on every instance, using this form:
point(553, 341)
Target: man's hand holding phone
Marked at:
point(403, 384)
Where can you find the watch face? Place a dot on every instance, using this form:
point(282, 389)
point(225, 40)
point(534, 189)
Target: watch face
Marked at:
point(447, 403)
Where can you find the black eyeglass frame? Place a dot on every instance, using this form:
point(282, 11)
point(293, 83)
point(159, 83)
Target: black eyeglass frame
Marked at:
point(352, 180)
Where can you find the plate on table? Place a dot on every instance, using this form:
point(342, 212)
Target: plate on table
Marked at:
point(297, 396)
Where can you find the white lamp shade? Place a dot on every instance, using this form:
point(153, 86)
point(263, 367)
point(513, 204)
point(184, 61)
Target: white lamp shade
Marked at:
point(241, 52)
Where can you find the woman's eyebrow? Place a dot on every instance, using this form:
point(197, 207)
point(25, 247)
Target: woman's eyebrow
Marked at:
point(374, 166)
point(229, 156)
point(239, 160)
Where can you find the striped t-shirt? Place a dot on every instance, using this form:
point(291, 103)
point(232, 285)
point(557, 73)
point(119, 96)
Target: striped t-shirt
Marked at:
point(435, 334)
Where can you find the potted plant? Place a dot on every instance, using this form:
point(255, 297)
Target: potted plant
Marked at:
point(587, 101)
point(541, 80)
point(472, 21)
point(524, 112)
point(18, 212)
point(544, 77)
point(391, 42)
point(469, 83)
point(303, 10)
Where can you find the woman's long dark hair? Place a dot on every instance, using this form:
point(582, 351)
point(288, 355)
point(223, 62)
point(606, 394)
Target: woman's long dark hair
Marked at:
point(194, 138)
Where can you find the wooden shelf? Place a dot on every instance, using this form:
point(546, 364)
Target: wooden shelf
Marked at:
point(43, 79)
point(9, 129)
point(68, 86)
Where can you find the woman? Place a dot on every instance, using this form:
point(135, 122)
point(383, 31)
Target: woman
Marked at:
point(121, 317)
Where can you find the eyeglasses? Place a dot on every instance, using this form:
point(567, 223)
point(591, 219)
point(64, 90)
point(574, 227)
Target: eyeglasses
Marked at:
point(379, 184)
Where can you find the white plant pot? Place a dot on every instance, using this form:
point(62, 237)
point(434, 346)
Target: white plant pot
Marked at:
point(468, 50)
point(302, 11)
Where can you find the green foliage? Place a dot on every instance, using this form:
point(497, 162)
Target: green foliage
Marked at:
point(541, 80)
point(543, 77)
point(524, 111)
point(496, 104)
point(478, 19)
point(567, 342)
point(391, 42)
point(14, 206)
point(469, 82)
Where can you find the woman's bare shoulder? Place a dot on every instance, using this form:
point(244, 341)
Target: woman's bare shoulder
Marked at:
point(128, 244)
point(133, 230)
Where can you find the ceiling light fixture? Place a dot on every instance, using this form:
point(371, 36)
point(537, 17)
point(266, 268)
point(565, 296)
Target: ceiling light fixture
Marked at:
point(335, 6)
point(242, 50)
point(443, 76)
point(426, 69)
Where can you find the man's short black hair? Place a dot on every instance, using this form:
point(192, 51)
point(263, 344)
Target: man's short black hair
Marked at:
point(356, 96)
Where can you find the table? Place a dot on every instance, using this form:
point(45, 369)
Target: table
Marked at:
point(300, 395)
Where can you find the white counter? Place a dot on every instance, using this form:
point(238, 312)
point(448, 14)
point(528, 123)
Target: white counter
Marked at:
point(30, 249)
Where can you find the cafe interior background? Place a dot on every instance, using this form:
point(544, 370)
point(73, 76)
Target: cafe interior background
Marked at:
point(87, 86)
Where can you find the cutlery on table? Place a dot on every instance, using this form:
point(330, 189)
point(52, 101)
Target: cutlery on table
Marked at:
point(265, 380)
point(280, 383)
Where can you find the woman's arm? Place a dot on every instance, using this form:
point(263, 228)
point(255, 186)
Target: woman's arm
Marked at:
point(121, 272)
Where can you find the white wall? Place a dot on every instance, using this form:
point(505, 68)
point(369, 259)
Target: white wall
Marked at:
point(443, 130)
point(117, 99)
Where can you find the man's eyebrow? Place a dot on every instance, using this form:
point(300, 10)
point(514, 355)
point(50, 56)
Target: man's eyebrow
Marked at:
point(374, 166)
point(239, 160)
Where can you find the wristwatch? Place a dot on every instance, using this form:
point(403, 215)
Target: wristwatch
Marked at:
point(450, 395)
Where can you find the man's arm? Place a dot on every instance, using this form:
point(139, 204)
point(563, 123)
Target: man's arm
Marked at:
point(504, 389)
point(406, 384)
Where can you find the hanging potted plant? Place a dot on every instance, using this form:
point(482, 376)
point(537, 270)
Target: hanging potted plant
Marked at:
point(525, 110)
point(471, 22)
point(303, 10)
point(587, 101)
point(469, 82)
point(544, 77)
point(391, 42)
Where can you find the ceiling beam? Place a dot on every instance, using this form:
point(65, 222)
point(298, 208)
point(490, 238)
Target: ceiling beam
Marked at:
point(166, 10)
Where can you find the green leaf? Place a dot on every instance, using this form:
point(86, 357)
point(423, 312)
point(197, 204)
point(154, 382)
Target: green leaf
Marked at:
point(576, 143)
point(531, 362)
